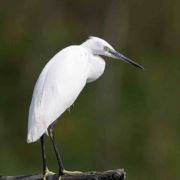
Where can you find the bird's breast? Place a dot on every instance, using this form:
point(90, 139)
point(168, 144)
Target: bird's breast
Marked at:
point(96, 68)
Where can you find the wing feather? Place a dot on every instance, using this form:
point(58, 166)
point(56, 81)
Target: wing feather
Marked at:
point(57, 87)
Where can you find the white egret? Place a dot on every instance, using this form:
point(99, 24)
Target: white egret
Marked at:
point(60, 83)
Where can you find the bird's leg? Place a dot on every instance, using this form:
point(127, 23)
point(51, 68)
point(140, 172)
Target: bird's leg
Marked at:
point(46, 171)
point(58, 157)
point(43, 154)
point(62, 171)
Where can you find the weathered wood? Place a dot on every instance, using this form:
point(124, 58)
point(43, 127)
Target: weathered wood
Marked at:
point(118, 174)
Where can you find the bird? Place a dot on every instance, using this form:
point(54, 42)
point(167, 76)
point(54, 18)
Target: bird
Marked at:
point(58, 86)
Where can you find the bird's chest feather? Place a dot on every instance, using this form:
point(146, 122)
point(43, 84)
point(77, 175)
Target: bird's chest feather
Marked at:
point(96, 68)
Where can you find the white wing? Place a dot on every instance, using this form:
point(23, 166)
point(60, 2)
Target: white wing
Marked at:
point(57, 87)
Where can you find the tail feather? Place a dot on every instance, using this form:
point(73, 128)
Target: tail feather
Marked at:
point(35, 134)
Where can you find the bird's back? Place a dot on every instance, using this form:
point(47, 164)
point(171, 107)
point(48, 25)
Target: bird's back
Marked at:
point(56, 89)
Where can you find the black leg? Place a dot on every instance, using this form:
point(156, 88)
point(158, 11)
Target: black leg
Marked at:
point(43, 154)
point(58, 157)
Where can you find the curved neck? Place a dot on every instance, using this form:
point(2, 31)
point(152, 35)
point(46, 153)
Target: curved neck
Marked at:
point(96, 68)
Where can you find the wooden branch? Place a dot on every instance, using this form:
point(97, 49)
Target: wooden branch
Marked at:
point(118, 174)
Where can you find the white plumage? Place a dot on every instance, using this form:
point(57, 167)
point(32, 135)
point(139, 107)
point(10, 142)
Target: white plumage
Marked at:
point(62, 80)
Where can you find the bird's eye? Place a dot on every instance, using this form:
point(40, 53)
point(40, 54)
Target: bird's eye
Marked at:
point(106, 49)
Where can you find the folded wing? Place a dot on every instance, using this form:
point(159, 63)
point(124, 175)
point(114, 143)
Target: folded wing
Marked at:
point(56, 89)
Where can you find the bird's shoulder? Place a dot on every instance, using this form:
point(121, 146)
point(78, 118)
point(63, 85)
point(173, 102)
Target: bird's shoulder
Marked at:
point(72, 52)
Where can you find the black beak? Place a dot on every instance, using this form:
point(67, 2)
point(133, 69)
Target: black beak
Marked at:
point(118, 55)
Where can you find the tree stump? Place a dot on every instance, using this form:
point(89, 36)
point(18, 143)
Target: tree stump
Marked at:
point(118, 174)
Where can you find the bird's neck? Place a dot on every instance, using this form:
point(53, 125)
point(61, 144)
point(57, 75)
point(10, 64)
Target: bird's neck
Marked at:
point(96, 67)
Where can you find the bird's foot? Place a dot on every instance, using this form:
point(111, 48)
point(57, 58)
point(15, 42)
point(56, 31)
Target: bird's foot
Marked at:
point(71, 172)
point(47, 173)
point(65, 172)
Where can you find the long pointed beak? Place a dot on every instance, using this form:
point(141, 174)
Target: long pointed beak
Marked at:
point(118, 55)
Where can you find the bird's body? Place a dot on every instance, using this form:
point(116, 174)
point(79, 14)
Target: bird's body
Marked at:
point(59, 85)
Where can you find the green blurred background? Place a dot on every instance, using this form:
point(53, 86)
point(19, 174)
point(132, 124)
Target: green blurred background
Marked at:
point(128, 119)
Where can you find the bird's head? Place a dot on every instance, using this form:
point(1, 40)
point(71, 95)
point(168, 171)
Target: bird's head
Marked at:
point(100, 47)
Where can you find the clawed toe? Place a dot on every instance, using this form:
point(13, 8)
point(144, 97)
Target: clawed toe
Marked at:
point(47, 173)
point(71, 172)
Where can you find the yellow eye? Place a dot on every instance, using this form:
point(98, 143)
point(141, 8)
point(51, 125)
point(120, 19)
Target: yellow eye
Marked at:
point(106, 48)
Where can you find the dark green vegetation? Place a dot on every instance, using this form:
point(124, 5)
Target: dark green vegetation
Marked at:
point(129, 118)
